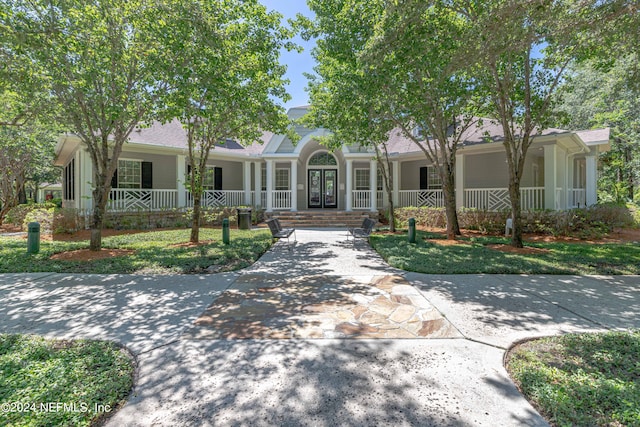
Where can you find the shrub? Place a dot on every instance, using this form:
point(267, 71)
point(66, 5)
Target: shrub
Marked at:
point(584, 222)
point(44, 216)
point(16, 215)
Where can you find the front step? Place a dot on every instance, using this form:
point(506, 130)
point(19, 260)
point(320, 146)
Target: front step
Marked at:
point(320, 219)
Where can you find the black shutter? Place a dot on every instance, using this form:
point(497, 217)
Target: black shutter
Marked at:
point(217, 179)
point(424, 178)
point(114, 179)
point(147, 175)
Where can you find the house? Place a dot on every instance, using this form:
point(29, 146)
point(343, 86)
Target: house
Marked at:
point(277, 175)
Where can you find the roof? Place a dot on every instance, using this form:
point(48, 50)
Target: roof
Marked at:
point(173, 135)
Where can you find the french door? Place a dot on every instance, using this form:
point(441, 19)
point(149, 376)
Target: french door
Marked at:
point(322, 186)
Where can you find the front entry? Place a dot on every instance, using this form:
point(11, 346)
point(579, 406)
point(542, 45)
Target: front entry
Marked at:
point(322, 188)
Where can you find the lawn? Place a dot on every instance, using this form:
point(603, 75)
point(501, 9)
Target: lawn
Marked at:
point(581, 380)
point(156, 252)
point(50, 382)
point(475, 256)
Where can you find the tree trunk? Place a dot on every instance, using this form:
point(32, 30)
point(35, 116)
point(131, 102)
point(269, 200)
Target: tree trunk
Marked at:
point(97, 222)
point(448, 188)
point(392, 215)
point(195, 219)
point(516, 213)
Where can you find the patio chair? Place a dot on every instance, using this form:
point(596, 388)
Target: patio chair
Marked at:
point(277, 232)
point(362, 232)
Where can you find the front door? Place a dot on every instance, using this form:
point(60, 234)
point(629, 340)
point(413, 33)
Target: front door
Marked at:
point(322, 188)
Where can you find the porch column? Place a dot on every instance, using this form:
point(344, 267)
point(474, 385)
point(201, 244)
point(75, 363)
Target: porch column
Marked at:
point(561, 162)
point(395, 181)
point(246, 182)
point(86, 181)
point(550, 176)
point(592, 180)
point(269, 185)
point(257, 170)
point(373, 184)
point(570, 197)
point(181, 199)
point(459, 180)
point(294, 185)
point(349, 194)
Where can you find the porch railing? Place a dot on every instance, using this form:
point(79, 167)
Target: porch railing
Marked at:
point(361, 199)
point(131, 199)
point(496, 199)
point(218, 198)
point(420, 198)
point(281, 199)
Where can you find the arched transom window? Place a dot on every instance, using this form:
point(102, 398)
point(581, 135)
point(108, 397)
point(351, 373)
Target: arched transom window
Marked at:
point(323, 159)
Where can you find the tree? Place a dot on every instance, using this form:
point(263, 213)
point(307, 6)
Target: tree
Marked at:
point(101, 61)
point(595, 95)
point(523, 84)
point(411, 58)
point(26, 155)
point(225, 79)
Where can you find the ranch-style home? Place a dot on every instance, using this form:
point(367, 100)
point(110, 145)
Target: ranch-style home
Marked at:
point(277, 175)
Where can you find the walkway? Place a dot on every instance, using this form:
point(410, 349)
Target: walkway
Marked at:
point(188, 376)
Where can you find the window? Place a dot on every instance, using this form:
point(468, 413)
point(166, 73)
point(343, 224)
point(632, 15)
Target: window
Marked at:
point(263, 179)
point(362, 179)
point(208, 182)
point(380, 180)
point(282, 179)
point(129, 174)
point(69, 181)
point(323, 159)
point(430, 178)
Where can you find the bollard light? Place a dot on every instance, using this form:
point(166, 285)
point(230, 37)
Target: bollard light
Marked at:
point(225, 231)
point(412, 230)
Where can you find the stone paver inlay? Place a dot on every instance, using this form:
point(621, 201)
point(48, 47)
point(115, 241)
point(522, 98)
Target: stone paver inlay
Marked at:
point(259, 306)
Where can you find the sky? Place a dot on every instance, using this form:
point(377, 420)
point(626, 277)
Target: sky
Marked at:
point(297, 63)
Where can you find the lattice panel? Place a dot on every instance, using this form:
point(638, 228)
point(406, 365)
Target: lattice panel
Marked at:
point(429, 198)
point(214, 198)
point(499, 200)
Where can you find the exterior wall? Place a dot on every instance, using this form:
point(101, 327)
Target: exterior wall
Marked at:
point(531, 178)
point(477, 167)
point(163, 169)
point(410, 174)
point(232, 173)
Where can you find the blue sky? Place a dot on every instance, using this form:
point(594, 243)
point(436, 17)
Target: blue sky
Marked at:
point(297, 63)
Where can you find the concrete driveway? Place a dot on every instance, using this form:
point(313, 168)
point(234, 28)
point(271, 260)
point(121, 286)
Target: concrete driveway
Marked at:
point(322, 382)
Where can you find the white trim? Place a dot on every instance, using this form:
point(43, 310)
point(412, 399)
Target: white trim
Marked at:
point(321, 132)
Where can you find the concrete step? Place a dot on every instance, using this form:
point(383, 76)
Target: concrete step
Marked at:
point(328, 219)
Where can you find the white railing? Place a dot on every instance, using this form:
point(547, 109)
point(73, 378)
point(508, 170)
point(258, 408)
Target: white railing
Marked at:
point(497, 199)
point(281, 199)
point(532, 198)
point(577, 197)
point(218, 198)
point(361, 199)
point(420, 198)
point(263, 199)
point(132, 199)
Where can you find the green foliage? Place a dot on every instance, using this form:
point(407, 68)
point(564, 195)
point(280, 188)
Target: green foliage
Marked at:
point(474, 256)
point(588, 379)
point(155, 252)
point(591, 222)
point(16, 216)
point(35, 370)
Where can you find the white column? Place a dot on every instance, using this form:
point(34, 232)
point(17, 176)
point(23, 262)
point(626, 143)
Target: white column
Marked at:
point(294, 185)
point(269, 185)
point(349, 192)
point(459, 180)
point(550, 176)
point(246, 166)
point(396, 183)
point(561, 180)
point(257, 170)
point(86, 180)
point(592, 180)
point(181, 176)
point(570, 181)
point(373, 184)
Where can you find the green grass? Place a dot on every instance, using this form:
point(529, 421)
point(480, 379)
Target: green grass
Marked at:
point(474, 257)
point(81, 374)
point(581, 380)
point(154, 253)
